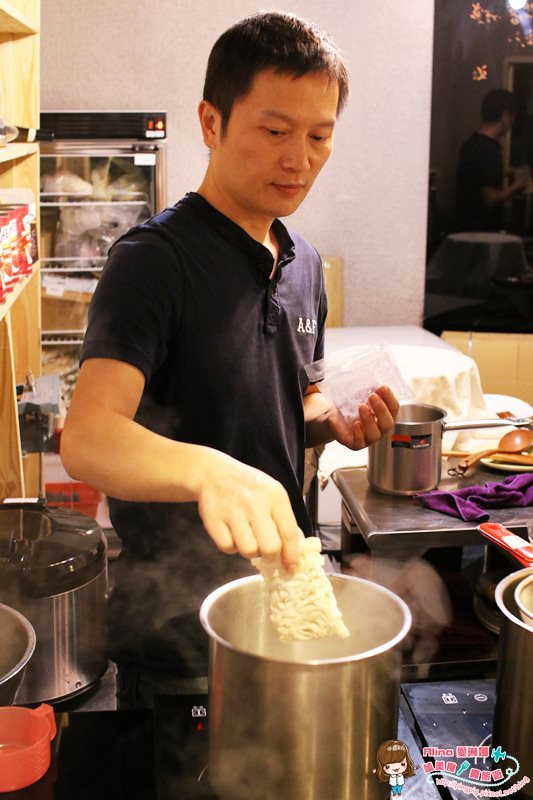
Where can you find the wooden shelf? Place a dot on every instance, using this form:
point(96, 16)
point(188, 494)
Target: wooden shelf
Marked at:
point(12, 297)
point(15, 21)
point(20, 313)
point(12, 152)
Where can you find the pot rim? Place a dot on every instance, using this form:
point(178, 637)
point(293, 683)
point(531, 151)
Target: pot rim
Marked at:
point(523, 609)
point(30, 647)
point(439, 420)
point(503, 585)
point(211, 599)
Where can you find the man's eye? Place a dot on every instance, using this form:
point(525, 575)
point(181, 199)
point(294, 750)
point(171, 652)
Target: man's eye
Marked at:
point(318, 138)
point(274, 133)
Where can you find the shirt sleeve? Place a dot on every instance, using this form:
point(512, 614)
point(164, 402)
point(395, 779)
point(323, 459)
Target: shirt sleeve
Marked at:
point(321, 321)
point(137, 304)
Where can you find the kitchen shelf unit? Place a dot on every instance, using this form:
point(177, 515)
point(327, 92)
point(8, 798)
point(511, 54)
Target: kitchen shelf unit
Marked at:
point(20, 315)
point(93, 190)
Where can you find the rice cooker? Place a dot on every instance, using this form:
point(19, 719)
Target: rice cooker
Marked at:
point(53, 569)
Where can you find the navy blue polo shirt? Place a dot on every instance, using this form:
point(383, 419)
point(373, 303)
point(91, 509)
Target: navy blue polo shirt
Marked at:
point(187, 298)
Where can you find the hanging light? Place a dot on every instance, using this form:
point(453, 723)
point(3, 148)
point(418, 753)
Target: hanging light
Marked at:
point(517, 5)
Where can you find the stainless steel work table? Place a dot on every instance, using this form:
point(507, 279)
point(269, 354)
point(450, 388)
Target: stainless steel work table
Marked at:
point(395, 524)
point(387, 538)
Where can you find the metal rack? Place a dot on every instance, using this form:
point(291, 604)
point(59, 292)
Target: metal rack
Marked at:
point(92, 191)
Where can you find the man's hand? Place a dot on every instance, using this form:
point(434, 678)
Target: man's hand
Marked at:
point(246, 511)
point(376, 417)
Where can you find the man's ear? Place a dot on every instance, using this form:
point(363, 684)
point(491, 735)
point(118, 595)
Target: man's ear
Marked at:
point(210, 122)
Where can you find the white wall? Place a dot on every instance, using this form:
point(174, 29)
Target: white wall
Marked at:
point(368, 206)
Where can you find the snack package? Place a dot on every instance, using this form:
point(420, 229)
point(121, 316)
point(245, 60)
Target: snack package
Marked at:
point(347, 378)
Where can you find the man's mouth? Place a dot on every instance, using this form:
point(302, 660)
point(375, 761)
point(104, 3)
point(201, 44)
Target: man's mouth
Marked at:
point(289, 189)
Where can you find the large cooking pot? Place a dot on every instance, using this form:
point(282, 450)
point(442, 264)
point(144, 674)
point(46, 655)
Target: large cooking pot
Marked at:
point(301, 720)
point(53, 570)
point(407, 459)
point(513, 716)
point(17, 643)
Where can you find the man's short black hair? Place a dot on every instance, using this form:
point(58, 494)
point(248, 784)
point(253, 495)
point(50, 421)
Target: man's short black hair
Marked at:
point(269, 40)
point(496, 103)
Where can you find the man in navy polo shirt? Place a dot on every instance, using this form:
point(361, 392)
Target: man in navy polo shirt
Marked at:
point(192, 410)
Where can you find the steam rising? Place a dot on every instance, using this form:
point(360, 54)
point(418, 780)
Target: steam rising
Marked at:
point(424, 591)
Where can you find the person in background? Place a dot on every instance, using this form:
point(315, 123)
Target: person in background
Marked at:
point(192, 410)
point(481, 193)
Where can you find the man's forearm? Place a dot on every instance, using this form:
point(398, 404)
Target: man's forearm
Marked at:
point(316, 412)
point(242, 509)
point(494, 197)
point(127, 461)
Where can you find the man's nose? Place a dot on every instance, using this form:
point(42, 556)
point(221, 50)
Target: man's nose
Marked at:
point(296, 155)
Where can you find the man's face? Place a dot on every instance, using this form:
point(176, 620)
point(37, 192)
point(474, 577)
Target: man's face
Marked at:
point(508, 120)
point(276, 141)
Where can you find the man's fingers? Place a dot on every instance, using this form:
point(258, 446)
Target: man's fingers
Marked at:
point(390, 400)
point(245, 538)
point(220, 534)
point(370, 424)
point(291, 536)
point(268, 538)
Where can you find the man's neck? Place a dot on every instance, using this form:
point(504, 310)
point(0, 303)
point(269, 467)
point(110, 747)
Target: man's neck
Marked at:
point(258, 229)
point(491, 129)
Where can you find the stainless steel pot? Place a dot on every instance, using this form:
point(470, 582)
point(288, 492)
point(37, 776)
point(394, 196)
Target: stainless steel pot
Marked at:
point(17, 644)
point(53, 570)
point(303, 720)
point(513, 716)
point(407, 460)
point(524, 600)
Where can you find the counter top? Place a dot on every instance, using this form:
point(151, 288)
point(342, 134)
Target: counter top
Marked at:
point(126, 755)
point(394, 522)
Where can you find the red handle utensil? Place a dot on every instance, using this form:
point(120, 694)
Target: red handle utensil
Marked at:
point(507, 540)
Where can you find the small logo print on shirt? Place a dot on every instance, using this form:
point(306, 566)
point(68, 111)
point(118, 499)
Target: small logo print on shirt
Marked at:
point(306, 326)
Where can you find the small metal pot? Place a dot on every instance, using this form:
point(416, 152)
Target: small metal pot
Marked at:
point(513, 715)
point(17, 643)
point(301, 720)
point(407, 460)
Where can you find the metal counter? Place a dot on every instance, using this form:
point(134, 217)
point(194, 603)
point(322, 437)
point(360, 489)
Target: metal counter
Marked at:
point(396, 523)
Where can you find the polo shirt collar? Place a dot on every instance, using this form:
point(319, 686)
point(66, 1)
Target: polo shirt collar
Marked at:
point(239, 237)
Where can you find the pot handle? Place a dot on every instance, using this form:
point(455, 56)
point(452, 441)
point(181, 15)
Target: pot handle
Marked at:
point(470, 424)
point(47, 712)
point(509, 541)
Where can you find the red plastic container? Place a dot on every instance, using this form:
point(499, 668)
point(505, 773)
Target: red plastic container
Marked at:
point(75, 495)
point(25, 736)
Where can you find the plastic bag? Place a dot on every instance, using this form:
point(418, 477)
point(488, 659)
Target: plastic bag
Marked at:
point(118, 179)
point(88, 232)
point(347, 378)
point(64, 182)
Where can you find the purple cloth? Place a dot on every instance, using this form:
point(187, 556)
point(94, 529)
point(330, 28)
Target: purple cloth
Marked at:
point(468, 503)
